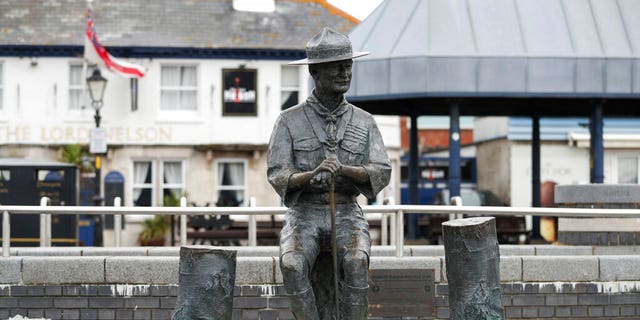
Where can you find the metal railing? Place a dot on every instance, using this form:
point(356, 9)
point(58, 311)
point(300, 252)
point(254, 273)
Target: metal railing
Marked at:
point(392, 216)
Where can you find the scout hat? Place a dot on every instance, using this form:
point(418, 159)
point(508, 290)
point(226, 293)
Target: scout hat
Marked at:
point(328, 46)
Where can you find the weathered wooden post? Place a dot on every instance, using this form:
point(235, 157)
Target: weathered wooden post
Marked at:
point(473, 268)
point(207, 278)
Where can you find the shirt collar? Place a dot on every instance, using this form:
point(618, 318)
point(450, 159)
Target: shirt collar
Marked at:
point(323, 111)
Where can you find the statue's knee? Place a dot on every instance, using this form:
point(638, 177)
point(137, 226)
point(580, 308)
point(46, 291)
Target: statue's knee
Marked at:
point(356, 261)
point(292, 263)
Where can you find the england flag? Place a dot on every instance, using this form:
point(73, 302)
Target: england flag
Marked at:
point(94, 52)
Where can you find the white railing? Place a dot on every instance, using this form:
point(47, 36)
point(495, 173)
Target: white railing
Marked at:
point(394, 213)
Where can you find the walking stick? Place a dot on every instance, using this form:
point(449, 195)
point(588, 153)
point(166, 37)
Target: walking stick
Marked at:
point(334, 246)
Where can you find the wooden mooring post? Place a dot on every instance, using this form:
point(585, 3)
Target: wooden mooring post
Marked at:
point(473, 268)
point(207, 278)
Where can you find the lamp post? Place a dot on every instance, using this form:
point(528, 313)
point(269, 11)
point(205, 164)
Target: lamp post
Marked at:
point(96, 84)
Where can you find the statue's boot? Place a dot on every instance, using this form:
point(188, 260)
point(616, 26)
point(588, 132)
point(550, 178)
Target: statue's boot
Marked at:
point(303, 305)
point(354, 303)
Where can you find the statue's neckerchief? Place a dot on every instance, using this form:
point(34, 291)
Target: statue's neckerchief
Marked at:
point(317, 114)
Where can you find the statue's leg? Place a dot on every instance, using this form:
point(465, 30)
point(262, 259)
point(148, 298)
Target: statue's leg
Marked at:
point(354, 287)
point(295, 273)
point(298, 251)
point(354, 239)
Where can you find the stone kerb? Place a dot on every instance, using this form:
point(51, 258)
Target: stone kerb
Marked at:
point(161, 270)
point(141, 270)
point(376, 251)
point(560, 268)
point(619, 268)
point(58, 270)
point(10, 270)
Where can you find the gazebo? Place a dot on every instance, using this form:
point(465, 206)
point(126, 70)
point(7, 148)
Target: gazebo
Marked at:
point(533, 58)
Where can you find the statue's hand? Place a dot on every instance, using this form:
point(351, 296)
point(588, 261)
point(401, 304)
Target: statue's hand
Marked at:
point(321, 179)
point(323, 174)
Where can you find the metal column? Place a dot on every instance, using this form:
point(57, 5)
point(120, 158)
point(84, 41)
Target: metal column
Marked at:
point(535, 162)
point(454, 149)
point(597, 145)
point(412, 219)
point(535, 174)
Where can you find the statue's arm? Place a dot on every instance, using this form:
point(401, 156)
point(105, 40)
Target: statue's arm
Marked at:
point(357, 174)
point(377, 166)
point(280, 166)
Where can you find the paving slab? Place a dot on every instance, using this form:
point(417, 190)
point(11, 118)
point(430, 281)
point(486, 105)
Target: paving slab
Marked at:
point(560, 268)
point(142, 270)
point(554, 250)
point(616, 250)
point(408, 263)
point(113, 251)
point(63, 269)
point(619, 268)
point(517, 250)
point(510, 268)
point(256, 270)
point(49, 251)
point(10, 270)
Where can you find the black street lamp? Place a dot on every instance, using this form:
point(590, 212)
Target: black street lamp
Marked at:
point(96, 84)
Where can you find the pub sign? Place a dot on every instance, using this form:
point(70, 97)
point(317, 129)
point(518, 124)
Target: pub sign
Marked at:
point(239, 97)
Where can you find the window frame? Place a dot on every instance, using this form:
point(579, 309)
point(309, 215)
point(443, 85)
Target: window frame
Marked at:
point(180, 88)
point(82, 88)
point(288, 89)
point(616, 164)
point(182, 185)
point(150, 185)
point(218, 187)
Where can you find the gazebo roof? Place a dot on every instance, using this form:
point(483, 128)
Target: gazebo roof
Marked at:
point(483, 51)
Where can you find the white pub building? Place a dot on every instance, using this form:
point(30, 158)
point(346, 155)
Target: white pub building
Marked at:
point(199, 121)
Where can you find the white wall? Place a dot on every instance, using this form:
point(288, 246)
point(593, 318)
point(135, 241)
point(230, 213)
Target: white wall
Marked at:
point(559, 163)
point(485, 128)
point(36, 106)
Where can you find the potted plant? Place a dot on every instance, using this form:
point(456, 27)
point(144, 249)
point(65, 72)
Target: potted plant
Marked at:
point(153, 231)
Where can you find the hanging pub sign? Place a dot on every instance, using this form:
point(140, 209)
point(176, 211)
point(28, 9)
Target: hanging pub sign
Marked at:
point(239, 96)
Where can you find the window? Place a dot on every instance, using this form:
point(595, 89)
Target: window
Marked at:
point(290, 87)
point(627, 170)
point(77, 87)
point(172, 183)
point(231, 183)
point(178, 88)
point(143, 183)
point(5, 175)
point(146, 186)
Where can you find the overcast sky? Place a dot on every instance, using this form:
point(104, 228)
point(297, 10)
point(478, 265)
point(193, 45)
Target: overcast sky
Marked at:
point(360, 9)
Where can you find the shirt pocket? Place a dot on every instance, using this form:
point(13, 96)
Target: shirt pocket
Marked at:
point(354, 143)
point(306, 153)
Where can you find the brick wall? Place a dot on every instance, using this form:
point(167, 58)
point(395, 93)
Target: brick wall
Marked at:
point(552, 282)
point(570, 300)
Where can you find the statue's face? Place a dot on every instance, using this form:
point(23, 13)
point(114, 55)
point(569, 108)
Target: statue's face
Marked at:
point(334, 76)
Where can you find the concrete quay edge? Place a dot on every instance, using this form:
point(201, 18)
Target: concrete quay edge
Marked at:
point(160, 270)
point(376, 251)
